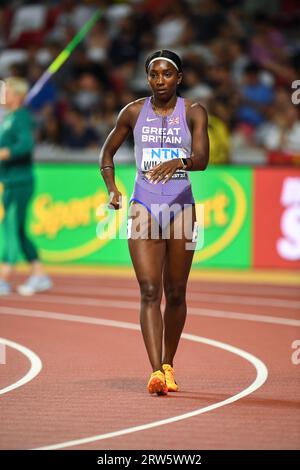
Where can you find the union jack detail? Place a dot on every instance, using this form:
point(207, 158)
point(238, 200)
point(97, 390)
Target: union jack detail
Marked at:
point(173, 120)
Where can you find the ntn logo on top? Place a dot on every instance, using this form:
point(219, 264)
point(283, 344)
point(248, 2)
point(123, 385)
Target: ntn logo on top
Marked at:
point(153, 156)
point(163, 153)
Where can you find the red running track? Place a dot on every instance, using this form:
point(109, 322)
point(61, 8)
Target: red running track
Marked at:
point(91, 392)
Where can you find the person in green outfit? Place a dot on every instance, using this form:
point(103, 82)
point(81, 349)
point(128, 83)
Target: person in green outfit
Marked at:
point(16, 175)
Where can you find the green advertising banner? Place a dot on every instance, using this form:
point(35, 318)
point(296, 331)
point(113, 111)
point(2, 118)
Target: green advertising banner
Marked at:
point(70, 223)
point(226, 194)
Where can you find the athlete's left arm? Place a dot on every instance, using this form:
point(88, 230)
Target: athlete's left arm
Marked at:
point(200, 141)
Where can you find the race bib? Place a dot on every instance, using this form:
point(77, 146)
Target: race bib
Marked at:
point(153, 156)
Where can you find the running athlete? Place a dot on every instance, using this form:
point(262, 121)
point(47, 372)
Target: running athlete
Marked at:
point(170, 135)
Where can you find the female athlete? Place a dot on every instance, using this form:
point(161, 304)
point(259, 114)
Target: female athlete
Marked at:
point(170, 136)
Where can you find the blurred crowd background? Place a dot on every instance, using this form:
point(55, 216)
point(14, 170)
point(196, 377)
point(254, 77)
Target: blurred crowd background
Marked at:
point(240, 61)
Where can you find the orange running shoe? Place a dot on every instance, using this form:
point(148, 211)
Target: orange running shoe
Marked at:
point(157, 383)
point(169, 375)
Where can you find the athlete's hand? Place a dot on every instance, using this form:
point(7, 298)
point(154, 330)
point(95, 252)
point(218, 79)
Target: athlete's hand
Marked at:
point(164, 171)
point(115, 200)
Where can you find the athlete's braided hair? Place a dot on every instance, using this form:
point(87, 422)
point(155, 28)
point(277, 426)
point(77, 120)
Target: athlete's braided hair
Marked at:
point(164, 53)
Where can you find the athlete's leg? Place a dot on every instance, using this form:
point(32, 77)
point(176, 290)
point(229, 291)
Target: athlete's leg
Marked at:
point(148, 259)
point(177, 266)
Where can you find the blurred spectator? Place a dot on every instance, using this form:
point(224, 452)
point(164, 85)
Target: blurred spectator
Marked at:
point(87, 94)
point(77, 134)
point(103, 119)
point(82, 64)
point(194, 87)
point(208, 19)
point(125, 45)
point(2, 29)
point(268, 43)
point(219, 78)
point(218, 131)
point(237, 58)
point(282, 132)
point(255, 96)
point(219, 140)
point(170, 28)
point(51, 131)
point(98, 42)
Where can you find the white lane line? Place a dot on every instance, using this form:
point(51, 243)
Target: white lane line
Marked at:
point(195, 286)
point(255, 289)
point(260, 367)
point(197, 296)
point(128, 305)
point(202, 312)
point(35, 365)
point(243, 300)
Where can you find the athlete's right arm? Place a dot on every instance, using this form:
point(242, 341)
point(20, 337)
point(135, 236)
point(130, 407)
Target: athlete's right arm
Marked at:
point(114, 140)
